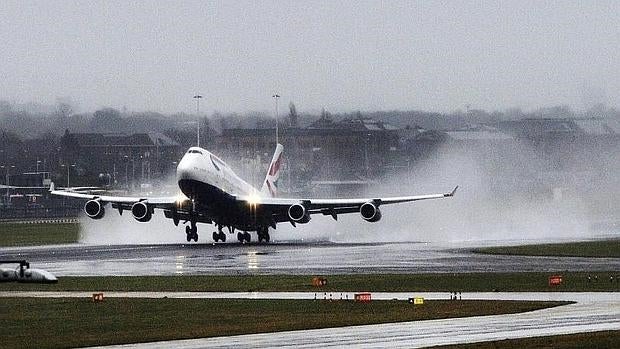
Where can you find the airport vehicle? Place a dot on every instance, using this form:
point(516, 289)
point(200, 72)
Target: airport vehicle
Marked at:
point(214, 194)
point(25, 274)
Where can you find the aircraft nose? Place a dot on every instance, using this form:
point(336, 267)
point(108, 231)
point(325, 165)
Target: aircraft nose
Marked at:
point(184, 169)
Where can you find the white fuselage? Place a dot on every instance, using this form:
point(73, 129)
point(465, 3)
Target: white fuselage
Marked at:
point(200, 166)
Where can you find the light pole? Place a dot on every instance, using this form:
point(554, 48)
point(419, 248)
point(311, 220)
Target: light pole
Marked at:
point(38, 174)
point(8, 195)
point(68, 167)
point(276, 97)
point(367, 139)
point(197, 97)
point(126, 176)
point(133, 173)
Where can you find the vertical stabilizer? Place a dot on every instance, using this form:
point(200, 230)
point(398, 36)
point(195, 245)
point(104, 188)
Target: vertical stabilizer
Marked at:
point(270, 185)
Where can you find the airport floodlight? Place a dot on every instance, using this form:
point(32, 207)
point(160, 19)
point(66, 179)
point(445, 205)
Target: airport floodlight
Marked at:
point(197, 97)
point(68, 174)
point(276, 97)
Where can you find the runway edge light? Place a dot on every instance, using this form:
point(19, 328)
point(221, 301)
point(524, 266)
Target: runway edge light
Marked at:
point(416, 300)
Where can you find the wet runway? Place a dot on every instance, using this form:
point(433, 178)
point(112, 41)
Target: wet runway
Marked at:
point(287, 258)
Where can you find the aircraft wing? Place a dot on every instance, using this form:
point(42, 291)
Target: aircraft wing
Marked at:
point(160, 202)
point(177, 208)
point(279, 207)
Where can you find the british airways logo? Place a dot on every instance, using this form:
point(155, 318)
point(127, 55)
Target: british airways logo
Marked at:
point(275, 166)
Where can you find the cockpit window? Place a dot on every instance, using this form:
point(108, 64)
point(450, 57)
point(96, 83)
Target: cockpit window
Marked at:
point(217, 163)
point(194, 152)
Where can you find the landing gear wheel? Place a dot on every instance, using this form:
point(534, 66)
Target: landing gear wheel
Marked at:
point(188, 232)
point(194, 233)
point(216, 236)
point(222, 236)
point(263, 235)
point(243, 237)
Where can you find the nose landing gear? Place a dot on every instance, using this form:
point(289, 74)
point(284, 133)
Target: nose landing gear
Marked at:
point(192, 230)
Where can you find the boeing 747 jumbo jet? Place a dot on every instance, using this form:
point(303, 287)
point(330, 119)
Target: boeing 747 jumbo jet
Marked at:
point(214, 194)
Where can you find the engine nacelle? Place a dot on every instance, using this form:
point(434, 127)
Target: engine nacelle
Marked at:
point(94, 209)
point(370, 212)
point(298, 213)
point(141, 211)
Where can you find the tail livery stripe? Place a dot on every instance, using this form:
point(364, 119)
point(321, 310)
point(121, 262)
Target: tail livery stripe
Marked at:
point(270, 184)
point(275, 166)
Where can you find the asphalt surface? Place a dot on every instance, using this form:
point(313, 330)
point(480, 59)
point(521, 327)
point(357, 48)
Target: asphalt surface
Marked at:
point(287, 258)
point(592, 312)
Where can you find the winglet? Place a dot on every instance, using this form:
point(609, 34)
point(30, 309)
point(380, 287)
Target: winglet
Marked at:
point(452, 192)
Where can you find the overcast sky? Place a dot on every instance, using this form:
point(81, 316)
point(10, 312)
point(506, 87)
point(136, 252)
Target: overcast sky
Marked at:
point(359, 55)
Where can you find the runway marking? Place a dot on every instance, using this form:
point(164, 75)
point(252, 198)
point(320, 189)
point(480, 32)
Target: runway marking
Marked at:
point(42, 221)
point(580, 297)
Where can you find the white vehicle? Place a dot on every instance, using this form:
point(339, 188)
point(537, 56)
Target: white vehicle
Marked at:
point(25, 274)
point(214, 194)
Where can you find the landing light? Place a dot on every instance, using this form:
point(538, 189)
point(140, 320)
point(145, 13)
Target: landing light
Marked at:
point(254, 199)
point(180, 199)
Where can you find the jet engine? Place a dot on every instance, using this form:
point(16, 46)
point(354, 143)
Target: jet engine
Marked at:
point(298, 213)
point(141, 211)
point(94, 209)
point(370, 212)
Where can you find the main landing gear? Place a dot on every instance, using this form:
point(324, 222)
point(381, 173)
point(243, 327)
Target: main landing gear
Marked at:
point(191, 232)
point(243, 237)
point(263, 234)
point(219, 235)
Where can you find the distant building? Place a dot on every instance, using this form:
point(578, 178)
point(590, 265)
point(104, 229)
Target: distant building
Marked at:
point(350, 149)
point(121, 159)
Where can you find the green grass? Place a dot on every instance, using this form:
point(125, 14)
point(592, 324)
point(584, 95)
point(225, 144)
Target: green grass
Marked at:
point(599, 340)
point(56, 323)
point(17, 234)
point(607, 248)
point(465, 282)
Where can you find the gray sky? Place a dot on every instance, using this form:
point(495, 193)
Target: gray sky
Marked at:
point(360, 55)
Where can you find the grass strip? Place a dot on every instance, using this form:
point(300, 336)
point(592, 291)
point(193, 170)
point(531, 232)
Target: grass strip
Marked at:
point(601, 249)
point(61, 323)
point(599, 340)
point(463, 282)
point(21, 234)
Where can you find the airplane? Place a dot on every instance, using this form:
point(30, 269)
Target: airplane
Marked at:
point(213, 193)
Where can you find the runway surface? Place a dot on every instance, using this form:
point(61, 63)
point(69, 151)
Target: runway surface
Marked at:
point(592, 312)
point(287, 258)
